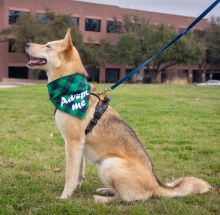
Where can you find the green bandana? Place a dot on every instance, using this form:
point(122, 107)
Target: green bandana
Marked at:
point(70, 94)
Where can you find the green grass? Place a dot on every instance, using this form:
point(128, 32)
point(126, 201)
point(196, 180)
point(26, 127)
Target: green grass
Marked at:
point(178, 125)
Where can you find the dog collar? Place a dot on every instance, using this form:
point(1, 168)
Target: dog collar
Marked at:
point(70, 94)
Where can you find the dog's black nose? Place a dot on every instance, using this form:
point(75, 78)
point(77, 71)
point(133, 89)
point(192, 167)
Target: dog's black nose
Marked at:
point(27, 45)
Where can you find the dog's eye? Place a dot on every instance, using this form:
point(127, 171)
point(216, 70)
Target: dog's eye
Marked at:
point(48, 46)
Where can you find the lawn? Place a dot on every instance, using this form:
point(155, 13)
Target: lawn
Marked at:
point(178, 125)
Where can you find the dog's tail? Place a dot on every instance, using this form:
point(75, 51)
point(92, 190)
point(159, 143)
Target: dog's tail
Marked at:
point(182, 187)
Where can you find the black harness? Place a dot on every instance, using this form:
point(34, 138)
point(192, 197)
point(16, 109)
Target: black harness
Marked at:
point(99, 110)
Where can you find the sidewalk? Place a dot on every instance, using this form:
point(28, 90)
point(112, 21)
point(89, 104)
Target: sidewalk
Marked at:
point(4, 86)
point(13, 82)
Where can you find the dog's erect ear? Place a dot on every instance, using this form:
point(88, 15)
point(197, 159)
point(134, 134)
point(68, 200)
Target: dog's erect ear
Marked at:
point(68, 44)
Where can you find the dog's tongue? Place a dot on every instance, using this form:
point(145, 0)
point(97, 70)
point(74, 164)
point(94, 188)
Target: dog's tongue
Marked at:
point(37, 61)
point(34, 61)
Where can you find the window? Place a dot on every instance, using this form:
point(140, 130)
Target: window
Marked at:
point(11, 46)
point(39, 75)
point(195, 78)
point(113, 27)
point(41, 17)
point(147, 76)
point(75, 20)
point(164, 76)
point(94, 75)
point(127, 71)
point(42, 75)
point(18, 72)
point(112, 75)
point(14, 15)
point(93, 25)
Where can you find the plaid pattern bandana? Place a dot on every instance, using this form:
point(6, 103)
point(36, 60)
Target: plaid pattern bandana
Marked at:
point(70, 94)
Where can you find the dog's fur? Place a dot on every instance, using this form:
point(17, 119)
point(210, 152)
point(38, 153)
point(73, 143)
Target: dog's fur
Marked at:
point(123, 164)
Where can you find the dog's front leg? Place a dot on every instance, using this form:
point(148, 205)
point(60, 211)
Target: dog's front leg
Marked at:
point(81, 172)
point(74, 153)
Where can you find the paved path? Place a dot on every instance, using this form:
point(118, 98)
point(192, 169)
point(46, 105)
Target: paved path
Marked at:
point(3, 86)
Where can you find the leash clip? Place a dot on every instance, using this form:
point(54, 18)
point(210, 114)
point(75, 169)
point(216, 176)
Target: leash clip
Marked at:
point(102, 95)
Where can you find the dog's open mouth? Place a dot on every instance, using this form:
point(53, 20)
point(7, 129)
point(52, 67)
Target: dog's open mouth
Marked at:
point(34, 61)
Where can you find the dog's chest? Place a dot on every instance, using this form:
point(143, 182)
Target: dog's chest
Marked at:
point(91, 154)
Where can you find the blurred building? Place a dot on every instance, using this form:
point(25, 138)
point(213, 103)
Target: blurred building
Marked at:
point(94, 21)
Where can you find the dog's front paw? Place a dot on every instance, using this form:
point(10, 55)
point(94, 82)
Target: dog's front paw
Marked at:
point(63, 197)
point(80, 181)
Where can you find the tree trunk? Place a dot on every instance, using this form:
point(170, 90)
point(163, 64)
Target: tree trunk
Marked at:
point(202, 71)
point(157, 76)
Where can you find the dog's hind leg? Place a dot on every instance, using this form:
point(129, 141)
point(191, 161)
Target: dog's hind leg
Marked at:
point(105, 200)
point(127, 178)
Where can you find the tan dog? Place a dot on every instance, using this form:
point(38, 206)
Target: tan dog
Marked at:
point(123, 164)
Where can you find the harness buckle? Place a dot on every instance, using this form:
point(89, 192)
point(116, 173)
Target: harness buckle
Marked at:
point(99, 111)
point(97, 115)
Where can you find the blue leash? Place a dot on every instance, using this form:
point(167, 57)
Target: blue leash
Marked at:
point(178, 37)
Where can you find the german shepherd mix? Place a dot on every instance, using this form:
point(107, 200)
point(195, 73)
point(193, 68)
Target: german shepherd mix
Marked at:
point(123, 164)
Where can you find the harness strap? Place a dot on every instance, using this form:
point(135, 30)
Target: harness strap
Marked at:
point(99, 111)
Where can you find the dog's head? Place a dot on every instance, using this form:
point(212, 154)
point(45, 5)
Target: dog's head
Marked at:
point(58, 58)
